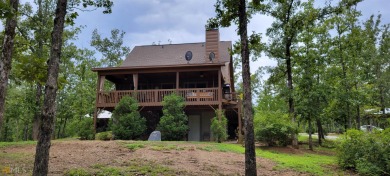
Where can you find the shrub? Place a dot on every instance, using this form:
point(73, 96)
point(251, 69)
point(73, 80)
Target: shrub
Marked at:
point(219, 127)
point(127, 122)
point(86, 129)
point(273, 128)
point(368, 153)
point(104, 136)
point(173, 123)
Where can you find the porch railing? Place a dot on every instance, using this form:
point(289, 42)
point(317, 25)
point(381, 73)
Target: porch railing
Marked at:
point(196, 96)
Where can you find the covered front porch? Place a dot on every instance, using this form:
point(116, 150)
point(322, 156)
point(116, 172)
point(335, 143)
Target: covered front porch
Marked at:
point(197, 85)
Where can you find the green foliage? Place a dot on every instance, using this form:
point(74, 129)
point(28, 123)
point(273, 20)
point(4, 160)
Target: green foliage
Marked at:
point(274, 128)
point(368, 153)
point(127, 122)
point(104, 136)
point(18, 113)
point(173, 123)
point(219, 126)
point(86, 129)
point(111, 48)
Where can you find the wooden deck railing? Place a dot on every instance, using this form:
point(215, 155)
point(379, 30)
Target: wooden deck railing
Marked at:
point(198, 96)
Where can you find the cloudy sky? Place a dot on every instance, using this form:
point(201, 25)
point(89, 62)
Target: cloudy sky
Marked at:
point(181, 21)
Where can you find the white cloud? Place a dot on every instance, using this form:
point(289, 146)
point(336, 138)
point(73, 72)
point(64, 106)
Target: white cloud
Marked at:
point(148, 21)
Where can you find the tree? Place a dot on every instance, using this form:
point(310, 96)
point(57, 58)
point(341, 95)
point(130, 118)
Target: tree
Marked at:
point(30, 65)
point(6, 54)
point(287, 26)
point(229, 11)
point(309, 70)
point(127, 122)
point(219, 126)
point(283, 35)
point(111, 48)
point(173, 123)
point(49, 108)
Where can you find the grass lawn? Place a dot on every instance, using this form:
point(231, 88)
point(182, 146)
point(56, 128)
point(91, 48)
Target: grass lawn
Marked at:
point(311, 163)
point(14, 144)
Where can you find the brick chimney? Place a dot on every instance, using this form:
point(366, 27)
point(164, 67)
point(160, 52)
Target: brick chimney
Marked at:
point(212, 44)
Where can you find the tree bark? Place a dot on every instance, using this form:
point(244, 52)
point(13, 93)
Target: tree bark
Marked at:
point(290, 87)
point(49, 108)
point(37, 113)
point(6, 56)
point(38, 94)
point(310, 136)
point(250, 153)
point(320, 132)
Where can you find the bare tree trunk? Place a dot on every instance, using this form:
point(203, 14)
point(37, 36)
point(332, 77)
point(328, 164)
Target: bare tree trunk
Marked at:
point(49, 106)
point(25, 132)
point(64, 127)
point(38, 95)
point(37, 113)
point(310, 136)
point(59, 129)
point(358, 117)
point(320, 131)
point(250, 153)
point(6, 56)
point(290, 87)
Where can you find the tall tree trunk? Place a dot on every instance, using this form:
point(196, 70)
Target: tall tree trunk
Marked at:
point(320, 131)
point(250, 153)
point(6, 56)
point(64, 127)
point(38, 95)
point(59, 129)
point(290, 88)
point(25, 132)
point(310, 136)
point(347, 119)
point(49, 108)
point(37, 113)
point(358, 117)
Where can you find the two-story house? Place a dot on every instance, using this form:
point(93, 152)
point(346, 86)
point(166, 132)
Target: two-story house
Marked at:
point(202, 73)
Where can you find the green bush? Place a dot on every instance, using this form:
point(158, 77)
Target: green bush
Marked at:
point(173, 123)
point(368, 153)
point(86, 129)
point(273, 128)
point(104, 136)
point(127, 122)
point(219, 127)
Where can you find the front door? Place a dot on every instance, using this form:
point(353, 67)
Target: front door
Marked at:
point(194, 125)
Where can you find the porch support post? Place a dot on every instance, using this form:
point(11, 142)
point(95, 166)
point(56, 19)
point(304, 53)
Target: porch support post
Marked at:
point(98, 88)
point(219, 93)
point(240, 136)
point(177, 82)
point(135, 80)
point(101, 80)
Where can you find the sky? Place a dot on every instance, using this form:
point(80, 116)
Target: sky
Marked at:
point(181, 21)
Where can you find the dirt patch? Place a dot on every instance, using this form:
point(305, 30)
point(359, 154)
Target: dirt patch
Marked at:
point(187, 159)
